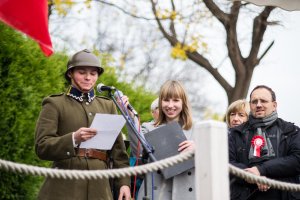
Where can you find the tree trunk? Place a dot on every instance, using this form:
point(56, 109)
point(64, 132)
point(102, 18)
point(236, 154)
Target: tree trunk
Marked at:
point(243, 67)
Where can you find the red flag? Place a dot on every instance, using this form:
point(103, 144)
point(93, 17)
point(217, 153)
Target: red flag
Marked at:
point(30, 17)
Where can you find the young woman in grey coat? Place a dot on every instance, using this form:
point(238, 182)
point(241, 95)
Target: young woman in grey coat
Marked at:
point(173, 106)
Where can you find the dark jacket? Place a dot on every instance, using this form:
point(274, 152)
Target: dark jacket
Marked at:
point(285, 166)
point(61, 115)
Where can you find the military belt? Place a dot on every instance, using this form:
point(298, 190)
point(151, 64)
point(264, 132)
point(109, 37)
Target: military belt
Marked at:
point(91, 153)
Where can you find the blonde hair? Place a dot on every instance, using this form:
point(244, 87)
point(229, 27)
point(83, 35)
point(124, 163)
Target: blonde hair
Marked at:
point(238, 105)
point(174, 89)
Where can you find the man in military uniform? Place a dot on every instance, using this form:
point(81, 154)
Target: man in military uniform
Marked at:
point(63, 124)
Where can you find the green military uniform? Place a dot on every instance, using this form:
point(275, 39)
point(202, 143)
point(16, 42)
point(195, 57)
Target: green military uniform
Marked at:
point(62, 115)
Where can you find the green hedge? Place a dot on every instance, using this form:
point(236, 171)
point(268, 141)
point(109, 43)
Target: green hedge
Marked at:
point(26, 77)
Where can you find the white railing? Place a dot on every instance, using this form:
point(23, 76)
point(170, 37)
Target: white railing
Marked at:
point(211, 163)
point(211, 160)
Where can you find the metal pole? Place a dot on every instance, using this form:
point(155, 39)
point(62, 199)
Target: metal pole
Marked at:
point(148, 149)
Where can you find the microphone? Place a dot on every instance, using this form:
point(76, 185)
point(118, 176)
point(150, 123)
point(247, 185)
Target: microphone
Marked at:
point(119, 94)
point(101, 87)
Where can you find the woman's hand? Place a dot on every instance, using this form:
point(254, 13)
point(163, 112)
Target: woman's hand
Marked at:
point(187, 145)
point(84, 134)
point(124, 193)
point(123, 103)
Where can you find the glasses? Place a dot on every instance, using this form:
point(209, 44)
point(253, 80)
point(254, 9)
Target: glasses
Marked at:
point(261, 101)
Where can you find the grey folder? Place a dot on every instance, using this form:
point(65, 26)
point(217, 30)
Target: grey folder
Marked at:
point(165, 141)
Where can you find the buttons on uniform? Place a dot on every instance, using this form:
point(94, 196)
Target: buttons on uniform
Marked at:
point(68, 153)
point(90, 114)
point(190, 189)
point(189, 173)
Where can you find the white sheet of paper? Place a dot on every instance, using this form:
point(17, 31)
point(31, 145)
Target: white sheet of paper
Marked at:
point(108, 128)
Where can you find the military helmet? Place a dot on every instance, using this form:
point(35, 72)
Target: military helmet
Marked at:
point(83, 58)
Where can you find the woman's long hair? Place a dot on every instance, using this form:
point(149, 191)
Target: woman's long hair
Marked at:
point(174, 89)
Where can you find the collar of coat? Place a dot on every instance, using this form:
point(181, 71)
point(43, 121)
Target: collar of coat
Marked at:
point(286, 127)
point(80, 96)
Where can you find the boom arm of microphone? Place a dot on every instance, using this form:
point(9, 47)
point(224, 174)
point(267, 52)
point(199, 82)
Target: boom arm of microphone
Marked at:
point(119, 94)
point(147, 147)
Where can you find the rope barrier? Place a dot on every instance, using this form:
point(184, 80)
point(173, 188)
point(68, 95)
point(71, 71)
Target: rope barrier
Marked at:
point(130, 171)
point(275, 184)
point(95, 174)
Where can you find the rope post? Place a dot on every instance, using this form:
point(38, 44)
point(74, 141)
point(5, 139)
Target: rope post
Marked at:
point(211, 160)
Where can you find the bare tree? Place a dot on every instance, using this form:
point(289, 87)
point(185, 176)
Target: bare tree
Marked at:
point(175, 19)
point(156, 28)
point(243, 65)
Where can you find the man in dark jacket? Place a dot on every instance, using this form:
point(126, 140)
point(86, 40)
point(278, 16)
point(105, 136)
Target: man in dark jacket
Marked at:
point(265, 146)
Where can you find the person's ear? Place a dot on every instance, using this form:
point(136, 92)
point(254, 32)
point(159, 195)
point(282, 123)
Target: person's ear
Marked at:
point(70, 74)
point(275, 105)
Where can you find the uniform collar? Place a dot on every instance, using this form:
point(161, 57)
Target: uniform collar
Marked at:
point(80, 96)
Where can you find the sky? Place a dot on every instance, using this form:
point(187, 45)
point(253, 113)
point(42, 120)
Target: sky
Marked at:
point(280, 69)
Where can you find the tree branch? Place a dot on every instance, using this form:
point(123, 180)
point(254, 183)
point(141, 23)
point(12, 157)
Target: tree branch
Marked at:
point(202, 61)
point(266, 51)
point(194, 56)
point(234, 51)
point(259, 27)
point(124, 11)
point(216, 11)
point(172, 26)
point(171, 39)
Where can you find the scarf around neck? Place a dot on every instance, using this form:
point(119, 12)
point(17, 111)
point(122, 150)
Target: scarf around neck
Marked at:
point(267, 150)
point(263, 122)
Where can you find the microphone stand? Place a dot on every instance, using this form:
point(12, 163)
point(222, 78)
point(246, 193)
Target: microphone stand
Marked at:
point(147, 148)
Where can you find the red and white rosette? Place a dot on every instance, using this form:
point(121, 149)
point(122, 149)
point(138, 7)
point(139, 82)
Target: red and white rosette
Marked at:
point(257, 142)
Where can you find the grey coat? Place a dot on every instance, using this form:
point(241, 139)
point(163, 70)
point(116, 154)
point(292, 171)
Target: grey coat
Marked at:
point(179, 187)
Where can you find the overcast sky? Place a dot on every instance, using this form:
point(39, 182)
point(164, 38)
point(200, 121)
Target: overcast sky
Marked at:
point(280, 69)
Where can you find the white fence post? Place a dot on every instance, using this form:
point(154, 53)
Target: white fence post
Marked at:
point(211, 160)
